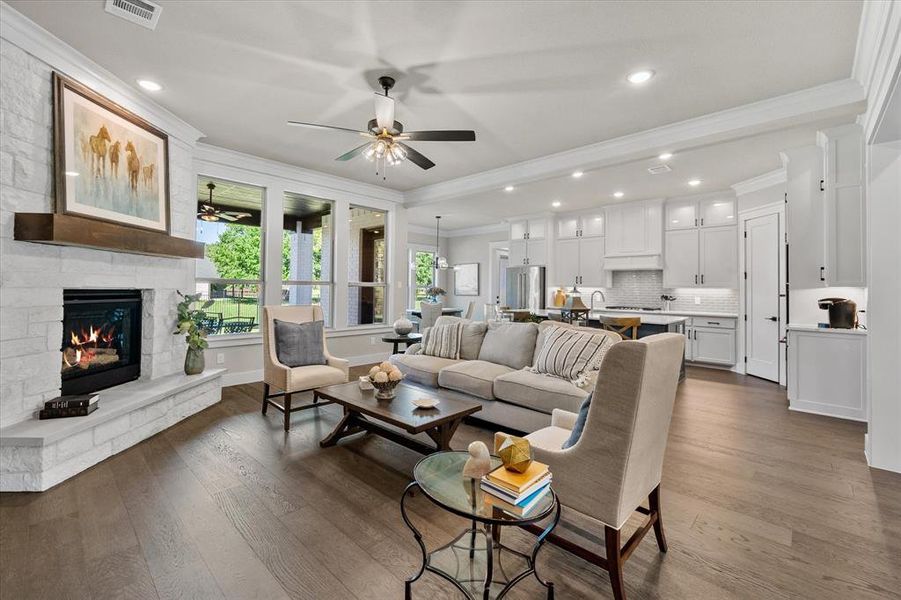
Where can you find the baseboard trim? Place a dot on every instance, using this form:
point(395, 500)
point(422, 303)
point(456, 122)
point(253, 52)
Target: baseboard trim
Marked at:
point(813, 408)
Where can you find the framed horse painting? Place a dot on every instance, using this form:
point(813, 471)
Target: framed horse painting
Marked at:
point(109, 163)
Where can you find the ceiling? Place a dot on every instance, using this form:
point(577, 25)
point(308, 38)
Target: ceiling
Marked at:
point(532, 78)
point(718, 166)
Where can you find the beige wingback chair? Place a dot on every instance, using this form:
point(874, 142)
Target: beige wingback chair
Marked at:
point(617, 462)
point(297, 379)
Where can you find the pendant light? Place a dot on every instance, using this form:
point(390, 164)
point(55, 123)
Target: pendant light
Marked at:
point(440, 262)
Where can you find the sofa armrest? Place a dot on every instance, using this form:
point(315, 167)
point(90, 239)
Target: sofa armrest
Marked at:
point(563, 418)
point(414, 349)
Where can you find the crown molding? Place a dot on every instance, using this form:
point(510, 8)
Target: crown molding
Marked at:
point(210, 159)
point(479, 230)
point(421, 229)
point(877, 60)
point(760, 182)
point(845, 96)
point(21, 31)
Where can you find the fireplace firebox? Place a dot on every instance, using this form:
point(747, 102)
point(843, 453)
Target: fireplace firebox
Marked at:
point(101, 344)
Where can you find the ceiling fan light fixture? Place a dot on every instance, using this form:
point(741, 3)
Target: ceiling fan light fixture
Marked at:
point(639, 77)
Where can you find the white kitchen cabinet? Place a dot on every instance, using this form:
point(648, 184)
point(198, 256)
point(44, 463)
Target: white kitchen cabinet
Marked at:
point(580, 225)
point(713, 345)
point(593, 224)
point(537, 229)
point(634, 229)
point(845, 209)
point(715, 212)
point(718, 257)
point(528, 229)
point(566, 262)
point(580, 261)
point(827, 372)
point(804, 217)
point(519, 230)
point(681, 262)
point(527, 242)
point(536, 252)
point(567, 227)
point(681, 214)
point(517, 253)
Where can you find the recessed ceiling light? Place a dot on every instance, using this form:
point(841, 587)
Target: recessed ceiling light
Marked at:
point(509, 188)
point(694, 182)
point(638, 77)
point(618, 194)
point(577, 174)
point(71, 173)
point(150, 86)
point(555, 203)
point(665, 156)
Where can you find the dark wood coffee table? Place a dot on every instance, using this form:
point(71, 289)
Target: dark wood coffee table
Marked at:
point(362, 410)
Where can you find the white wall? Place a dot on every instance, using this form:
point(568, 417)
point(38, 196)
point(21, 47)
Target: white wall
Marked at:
point(472, 249)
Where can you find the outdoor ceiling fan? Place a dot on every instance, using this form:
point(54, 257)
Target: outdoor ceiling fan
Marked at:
point(385, 137)
point(208, 212)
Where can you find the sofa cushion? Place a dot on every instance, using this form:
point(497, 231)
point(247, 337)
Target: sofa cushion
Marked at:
point(474, 377)
point(473, 335)
point(509, 344)
point(538, 392)
point(421, 368)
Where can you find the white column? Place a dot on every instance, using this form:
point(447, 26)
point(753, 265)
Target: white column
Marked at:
point(342, 233)
point(273, 205)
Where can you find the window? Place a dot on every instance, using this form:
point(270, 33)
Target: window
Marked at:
point(307, 246)
point(422, 275)
point(230, 273)
point(367, 263)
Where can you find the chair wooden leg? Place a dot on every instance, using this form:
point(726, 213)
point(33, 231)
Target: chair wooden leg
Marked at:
point(654, 505)
point(614, 562)
point(287, 411)
point(265, 397)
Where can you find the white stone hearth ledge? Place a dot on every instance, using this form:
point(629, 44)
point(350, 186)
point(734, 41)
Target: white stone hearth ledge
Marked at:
point(36, 455)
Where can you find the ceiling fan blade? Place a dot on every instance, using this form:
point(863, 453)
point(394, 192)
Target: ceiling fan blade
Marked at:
point(227, 217)
point(416, 158)
point(328, 128)
point(207, 207)
point(238, 215)
point(448, 135)
point(353, 153)
point(384, 111)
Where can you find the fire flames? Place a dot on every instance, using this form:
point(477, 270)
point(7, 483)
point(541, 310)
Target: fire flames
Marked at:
point(91, 346)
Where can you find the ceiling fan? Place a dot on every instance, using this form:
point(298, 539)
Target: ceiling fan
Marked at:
point(208, 212)
point(385, 137)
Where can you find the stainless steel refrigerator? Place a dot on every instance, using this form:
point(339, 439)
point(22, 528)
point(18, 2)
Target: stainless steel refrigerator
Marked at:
point(525, 288)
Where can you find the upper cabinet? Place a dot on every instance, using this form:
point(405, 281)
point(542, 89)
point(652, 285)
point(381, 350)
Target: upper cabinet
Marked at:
point(716, 212)
point(701, 243)
point(635, 230)
point(826, 211)
point(688, 213)
point(589, 224)
point(681, 214)
point(527, 242)
point(528, 229)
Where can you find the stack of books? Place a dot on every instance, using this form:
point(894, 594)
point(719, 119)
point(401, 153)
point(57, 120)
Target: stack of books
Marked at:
point(80, 405)
point(517, 493)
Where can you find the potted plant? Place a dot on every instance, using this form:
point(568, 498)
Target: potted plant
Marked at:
point(434, 292)
point(190, 323)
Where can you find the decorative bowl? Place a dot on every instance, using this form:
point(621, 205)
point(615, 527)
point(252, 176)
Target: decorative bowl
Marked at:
point(425, 402)
point(384, 390)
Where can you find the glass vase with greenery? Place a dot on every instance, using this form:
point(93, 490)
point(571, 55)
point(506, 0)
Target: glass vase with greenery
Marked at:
point(434, 292)
point(191, 324)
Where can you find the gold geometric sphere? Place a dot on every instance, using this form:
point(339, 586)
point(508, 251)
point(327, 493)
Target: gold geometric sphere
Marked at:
point(515, 453)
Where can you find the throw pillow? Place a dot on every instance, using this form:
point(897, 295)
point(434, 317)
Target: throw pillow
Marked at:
point(569, 354)
point(473, 335)
point(443, 341)
point(579, 425)
point(509, 344)
point(299, 344)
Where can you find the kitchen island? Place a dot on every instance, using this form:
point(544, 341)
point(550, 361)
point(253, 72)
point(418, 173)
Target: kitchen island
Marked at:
point(651, 322)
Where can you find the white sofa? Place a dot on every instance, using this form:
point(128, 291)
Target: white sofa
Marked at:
point(492, 369)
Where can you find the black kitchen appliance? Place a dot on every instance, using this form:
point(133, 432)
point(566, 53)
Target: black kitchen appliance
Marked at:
point(842, 312)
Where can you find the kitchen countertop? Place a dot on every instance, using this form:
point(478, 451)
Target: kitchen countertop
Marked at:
point(687, 313)
point(813, 328)
point(647, 317)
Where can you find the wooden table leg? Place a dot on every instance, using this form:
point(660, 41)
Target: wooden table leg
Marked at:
point(442, 434)
point(348, 425)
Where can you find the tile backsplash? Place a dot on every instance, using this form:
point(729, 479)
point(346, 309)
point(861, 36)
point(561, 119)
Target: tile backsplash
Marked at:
point(644, 288)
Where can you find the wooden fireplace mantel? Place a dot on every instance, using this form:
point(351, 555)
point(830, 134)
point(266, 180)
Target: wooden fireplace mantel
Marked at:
point(71, 230)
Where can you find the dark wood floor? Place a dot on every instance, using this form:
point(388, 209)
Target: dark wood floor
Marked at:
point(758, 503)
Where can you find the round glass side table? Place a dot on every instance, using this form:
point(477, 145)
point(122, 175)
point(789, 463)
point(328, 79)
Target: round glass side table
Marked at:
point(475, 562)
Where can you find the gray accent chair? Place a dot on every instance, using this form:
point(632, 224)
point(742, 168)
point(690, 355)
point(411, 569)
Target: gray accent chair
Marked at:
point(618, 460)
point(430, 313)
point(297, 379)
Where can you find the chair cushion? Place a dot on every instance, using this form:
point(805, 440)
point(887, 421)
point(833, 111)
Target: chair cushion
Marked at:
point(420, 368)
point(538, 392)
point(475, 377)
point(549, 438)
point(299, 344)
point(510, 344)
point(568, 354)
point(443, 341)
point(314, 376)
point(579, 425)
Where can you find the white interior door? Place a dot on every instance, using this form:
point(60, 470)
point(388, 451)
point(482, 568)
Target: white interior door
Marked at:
point(762, 296)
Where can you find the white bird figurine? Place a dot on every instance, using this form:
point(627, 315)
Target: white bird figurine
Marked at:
point(479, 462)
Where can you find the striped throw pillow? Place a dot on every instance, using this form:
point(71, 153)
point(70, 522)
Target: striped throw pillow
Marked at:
point(570, 354)
point(443, 341)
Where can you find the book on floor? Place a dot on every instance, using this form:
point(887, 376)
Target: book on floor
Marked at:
point(518, 482)
point(524, 506)
point(74, 411)
point(511, 497)
point(72, 401)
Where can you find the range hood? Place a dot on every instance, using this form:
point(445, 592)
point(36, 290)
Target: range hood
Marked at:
point(650, 262)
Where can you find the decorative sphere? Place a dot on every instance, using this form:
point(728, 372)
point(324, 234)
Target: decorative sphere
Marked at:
point(515, 453)
point(380, 377)
point(403, 326)
point(395, 375)
point(374, 370)
point(386, 367)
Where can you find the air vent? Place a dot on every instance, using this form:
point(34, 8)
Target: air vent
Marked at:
point(658, 169)
point(142, 12)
